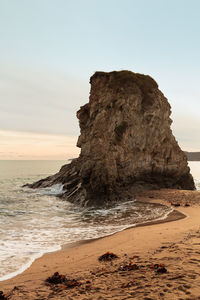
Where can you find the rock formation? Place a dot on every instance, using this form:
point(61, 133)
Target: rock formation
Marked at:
point(126, 143)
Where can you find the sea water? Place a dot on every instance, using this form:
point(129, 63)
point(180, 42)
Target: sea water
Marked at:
point(34, 222)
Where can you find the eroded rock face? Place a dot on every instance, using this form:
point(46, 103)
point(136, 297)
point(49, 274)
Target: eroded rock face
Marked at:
point(126, 143)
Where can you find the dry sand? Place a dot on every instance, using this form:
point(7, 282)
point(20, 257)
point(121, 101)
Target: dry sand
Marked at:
point(174, 244)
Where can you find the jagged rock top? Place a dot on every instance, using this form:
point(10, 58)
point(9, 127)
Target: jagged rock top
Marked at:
point(126, 142)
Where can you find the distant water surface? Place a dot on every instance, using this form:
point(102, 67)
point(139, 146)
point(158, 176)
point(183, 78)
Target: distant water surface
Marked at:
point(195, 171)
point(33, 222)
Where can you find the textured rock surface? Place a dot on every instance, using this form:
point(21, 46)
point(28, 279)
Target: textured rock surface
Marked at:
point(126, 143)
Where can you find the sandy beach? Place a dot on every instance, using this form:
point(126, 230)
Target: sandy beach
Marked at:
point(158, 261)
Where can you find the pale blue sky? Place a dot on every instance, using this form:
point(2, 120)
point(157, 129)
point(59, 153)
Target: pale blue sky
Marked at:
point(50, 48)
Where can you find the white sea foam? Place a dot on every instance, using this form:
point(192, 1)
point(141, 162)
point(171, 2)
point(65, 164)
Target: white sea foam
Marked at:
point(24, 267)
point(195, 170)
point(34, 222)
point(33, 228)
point(197, 184)
point(32, 248)
point(55, 190)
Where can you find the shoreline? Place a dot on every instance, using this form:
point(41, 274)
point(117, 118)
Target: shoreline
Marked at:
point(78, 261)
point(174, 215)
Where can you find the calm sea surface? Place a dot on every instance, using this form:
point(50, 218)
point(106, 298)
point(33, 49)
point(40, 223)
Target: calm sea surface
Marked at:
point(33, 222)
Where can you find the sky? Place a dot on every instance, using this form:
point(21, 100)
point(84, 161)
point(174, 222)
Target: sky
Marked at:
point(50, 48)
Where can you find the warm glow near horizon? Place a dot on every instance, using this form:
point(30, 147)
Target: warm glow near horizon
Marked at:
point(18, 145)
point(47, 60)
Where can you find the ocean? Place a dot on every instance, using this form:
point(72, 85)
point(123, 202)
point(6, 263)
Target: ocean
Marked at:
point(34, 222)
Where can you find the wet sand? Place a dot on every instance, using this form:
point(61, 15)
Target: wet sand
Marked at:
point(176, 245)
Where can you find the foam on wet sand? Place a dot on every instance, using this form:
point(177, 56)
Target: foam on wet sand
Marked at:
point(174, 245)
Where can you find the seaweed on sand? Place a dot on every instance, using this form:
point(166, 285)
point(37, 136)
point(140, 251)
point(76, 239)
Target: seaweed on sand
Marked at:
point(57, 278)
point(128, 267)
point(108, 256)
point(3, 296)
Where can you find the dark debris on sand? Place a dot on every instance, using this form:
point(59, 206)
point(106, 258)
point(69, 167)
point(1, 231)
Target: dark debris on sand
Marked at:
point(57, 278)
point(128, 267)
point(3, 296)
point(159, 268)
point(108, 256)
point(60, 284)
point(175, 204)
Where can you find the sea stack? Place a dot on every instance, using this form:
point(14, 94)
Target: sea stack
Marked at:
point(126, 143)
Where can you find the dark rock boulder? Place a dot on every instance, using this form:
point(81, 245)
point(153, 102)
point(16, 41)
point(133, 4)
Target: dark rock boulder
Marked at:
point(126, 143)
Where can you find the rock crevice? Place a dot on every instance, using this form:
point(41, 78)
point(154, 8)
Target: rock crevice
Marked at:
point(126, 143)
